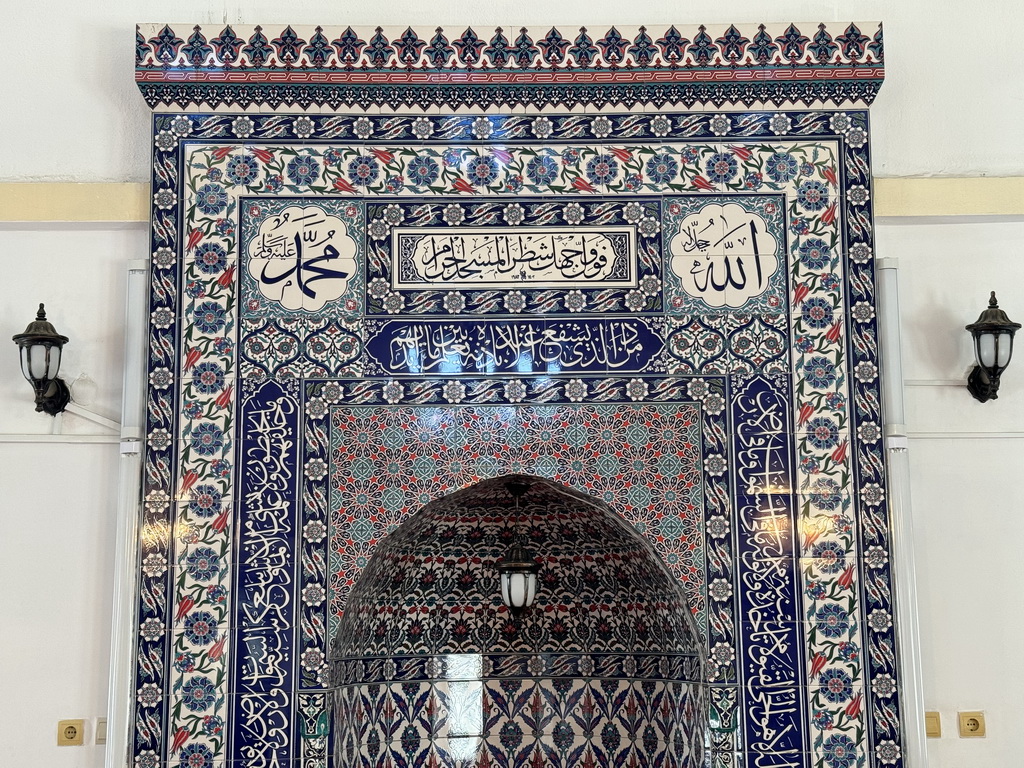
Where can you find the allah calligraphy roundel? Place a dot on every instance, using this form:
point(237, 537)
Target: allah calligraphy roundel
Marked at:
point(724, 255)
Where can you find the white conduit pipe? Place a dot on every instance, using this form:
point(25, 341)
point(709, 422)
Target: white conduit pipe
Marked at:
point(58, 438)
point(123, 623)
point(915, 750)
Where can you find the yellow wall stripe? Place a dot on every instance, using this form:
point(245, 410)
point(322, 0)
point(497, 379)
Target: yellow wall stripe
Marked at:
point(968, 196)
point(27, 202)
point(71, 202)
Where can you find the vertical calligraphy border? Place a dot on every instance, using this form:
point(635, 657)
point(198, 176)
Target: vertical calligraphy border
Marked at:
point(266, 543)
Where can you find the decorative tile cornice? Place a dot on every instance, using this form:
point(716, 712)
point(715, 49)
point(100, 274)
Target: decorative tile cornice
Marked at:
point(767, 64)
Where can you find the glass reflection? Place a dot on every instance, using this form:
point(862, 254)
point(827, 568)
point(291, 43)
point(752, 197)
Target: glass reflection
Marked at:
point(465, 699)
point(463, 749)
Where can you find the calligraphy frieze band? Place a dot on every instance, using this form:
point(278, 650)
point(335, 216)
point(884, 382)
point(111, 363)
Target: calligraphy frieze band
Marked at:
point(508, 257)
point(581, 345)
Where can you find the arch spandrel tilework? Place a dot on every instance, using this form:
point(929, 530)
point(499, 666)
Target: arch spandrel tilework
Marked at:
point(354, 312)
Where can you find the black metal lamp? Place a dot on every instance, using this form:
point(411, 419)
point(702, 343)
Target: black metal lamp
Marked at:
point(40, 347)
point(993, 347)
point(518, 569)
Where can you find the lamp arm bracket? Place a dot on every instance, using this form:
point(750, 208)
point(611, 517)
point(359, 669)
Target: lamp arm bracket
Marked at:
point(92, 416)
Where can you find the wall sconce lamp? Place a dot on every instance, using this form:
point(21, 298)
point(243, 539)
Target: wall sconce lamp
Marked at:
point(518, 569)
point(993, 347)
point(40, 347)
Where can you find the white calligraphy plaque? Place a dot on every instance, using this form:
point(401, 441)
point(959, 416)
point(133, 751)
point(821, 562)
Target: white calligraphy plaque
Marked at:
point(724, 255)
point(302, 258)
point(509, 257)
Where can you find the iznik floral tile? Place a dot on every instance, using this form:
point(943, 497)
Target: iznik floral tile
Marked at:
point(666, 302)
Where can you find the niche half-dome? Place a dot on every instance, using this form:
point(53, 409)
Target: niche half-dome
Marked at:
point(431, 668)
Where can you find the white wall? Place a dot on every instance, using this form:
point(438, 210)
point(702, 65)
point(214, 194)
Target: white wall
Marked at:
point(57, 547)
point(72, 113)
point(966, 460)
point(83, 113)
point(58, 501)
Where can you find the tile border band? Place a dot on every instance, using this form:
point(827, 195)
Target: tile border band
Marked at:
point(128, 202)
point(628, 65)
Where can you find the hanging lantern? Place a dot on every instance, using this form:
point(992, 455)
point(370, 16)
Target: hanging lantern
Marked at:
point(518, 568)
point(518, 572)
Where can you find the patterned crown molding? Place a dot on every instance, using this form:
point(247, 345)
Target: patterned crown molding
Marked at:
point(252, 66)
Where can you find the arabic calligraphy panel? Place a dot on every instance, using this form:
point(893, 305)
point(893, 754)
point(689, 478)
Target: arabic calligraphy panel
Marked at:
point(528, 347)
point(508, 257)
point(301, 256)
point(561, 256)
point(726, 252)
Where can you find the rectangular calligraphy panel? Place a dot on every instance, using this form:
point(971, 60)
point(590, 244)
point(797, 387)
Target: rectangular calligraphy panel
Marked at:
point(509, 257)
point(583, 345)
point(771, 659)
point(264, 594)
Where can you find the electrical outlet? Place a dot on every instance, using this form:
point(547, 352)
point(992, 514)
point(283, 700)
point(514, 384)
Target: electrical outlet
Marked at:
point(972, 725)
point(932, 725)
point(70, 733)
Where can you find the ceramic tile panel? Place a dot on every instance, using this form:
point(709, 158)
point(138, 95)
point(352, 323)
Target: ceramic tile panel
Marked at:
point(386, 265)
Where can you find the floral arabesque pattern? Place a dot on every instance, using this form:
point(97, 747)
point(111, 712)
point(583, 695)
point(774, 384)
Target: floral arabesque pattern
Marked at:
point(502, 688)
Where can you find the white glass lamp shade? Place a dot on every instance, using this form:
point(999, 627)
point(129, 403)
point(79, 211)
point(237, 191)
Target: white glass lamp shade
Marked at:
point(1004, 349)
point(40, 362)
point(518, 571)
point(985, 349)
point(518, 589)
point(993, 350)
